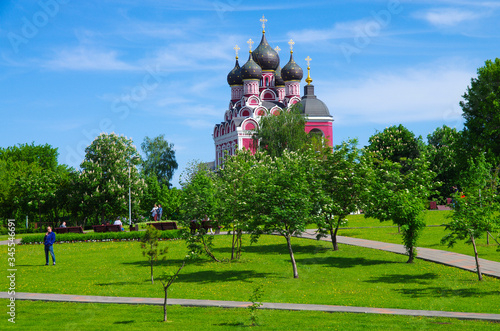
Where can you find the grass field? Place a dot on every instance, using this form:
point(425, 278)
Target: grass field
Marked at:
point(430, 237)
point(353, 276)
point(84, 316)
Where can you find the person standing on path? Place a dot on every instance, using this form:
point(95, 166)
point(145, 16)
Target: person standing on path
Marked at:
point(154, 212)
point(159, 212)
point(48, 241)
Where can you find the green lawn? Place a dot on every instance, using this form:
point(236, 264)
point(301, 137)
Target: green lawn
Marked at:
point(430, 237)
point(84, 316)
point(353, 276)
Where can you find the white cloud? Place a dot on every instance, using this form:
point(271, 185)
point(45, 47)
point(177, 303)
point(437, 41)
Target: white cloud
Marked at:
point(81, 58)
point(447, 17)
point(413, 95)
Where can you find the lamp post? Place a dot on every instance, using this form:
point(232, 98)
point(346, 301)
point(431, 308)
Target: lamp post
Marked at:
point(129, 196)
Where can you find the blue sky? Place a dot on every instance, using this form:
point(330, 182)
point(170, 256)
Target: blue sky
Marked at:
point(72, 69)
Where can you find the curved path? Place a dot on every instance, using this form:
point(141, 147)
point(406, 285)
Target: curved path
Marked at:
point(243, 304)
point(466, 262)
point(448, 258)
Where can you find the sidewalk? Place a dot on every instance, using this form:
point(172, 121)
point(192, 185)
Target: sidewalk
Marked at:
point(466, 262)
point(243, 304)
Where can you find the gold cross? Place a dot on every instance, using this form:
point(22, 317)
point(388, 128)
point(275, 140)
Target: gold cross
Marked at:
point(236, 48)
point(277, 49)
point(308, 59)
point(291, 43)
point(263, 21)
point(250, 42)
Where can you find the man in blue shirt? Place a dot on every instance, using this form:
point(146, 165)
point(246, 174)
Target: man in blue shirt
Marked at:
point(48, 241)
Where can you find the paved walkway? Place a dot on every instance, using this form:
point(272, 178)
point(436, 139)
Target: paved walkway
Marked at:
point(466, 262)
point(243, 304)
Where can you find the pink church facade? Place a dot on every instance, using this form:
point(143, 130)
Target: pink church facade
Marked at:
point(262, 88)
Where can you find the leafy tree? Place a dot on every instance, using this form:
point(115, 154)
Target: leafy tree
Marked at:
point(481, 110)
point(105, 175)
point(151, 195)
point(476, 207)
point(171, 200)
point(200, 202)
point(280, 132)
point(284, 195)
point(166, 280)
point(443, 152)
point(236, 186)
point(342, 182)
point(160, 159)
point(398, 195)
point(397, 144)
point(149, 244)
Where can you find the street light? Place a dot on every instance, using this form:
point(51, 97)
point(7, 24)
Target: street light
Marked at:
point(129, 198)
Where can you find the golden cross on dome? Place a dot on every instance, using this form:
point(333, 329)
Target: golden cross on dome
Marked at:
point(236, 49)
point(308, 59)
point(263, 20)
point(250, 42)
point(308, 79)
point(277, 49)
point(291, 43)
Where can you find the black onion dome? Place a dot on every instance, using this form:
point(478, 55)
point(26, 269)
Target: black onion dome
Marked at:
point(251, 70)
point(266, 57)
point(291, 71)
point(278, 80)
point(234, 76)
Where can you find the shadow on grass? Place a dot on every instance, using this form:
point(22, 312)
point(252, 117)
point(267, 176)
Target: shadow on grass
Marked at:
point(165, 263)
point(120, 283)
point(124, 322)
point(342, 262)
point(276, 249)
point(210, 276)
point(231, 324)
point(442, 292)
point(404, 279)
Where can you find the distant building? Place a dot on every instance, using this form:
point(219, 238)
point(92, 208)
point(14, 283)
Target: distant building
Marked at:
point(262, 88)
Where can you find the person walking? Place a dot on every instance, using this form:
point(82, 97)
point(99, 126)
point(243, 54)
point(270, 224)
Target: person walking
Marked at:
point(48, 241)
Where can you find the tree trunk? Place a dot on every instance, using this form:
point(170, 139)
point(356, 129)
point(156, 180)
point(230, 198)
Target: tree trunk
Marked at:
point(152, 280)
point(411, 255)
point(234, 244)
point(209, 253)
point(165, 306)
point(479, 275)
point(292, 258)
point(333, 235)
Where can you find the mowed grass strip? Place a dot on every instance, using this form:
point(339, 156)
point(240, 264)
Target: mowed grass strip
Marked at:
point(352, 276)
point(37, 315)
point(429, 238)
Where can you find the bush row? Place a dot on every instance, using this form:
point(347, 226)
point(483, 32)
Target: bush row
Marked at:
point(100, 236)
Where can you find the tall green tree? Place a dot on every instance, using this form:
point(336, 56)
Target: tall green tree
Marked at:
point(284, 195)
point(444, 153)
point(105, 176)
point(200, 202)
point(160, 159)
point(481, 111)
point(397, 144)
point(236, 188)
point(280, 132)
point(398, 196)
point(476, 208)
point(342, 181)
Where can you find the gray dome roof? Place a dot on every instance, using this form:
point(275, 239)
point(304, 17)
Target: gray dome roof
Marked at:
point(291, 70)
point(234, 76)
point(278, 80)
point(251, 70)
point(266, 57)
point(312, 106)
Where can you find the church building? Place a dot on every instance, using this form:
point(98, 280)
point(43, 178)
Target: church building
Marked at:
point(261, 87)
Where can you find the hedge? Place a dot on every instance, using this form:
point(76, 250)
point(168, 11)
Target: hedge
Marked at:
point(99, 236)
